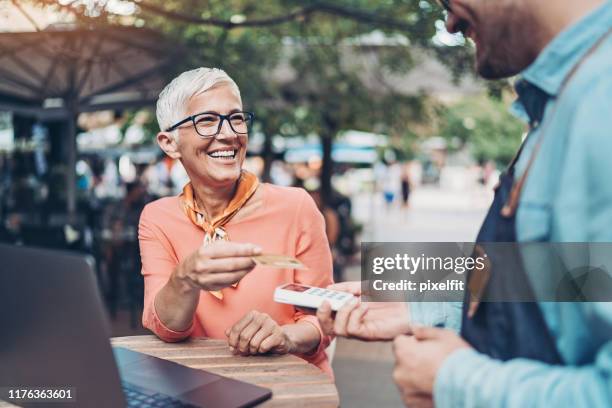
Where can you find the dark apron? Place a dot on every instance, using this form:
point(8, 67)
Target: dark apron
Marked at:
point(506, 330)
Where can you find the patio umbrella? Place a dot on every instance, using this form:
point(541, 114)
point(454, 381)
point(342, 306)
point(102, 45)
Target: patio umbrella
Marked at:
point(64, 70)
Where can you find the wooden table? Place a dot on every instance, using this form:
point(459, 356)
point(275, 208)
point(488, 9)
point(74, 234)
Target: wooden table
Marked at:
point(294, 382)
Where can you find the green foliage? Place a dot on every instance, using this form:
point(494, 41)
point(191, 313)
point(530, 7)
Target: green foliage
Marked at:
point(485, 125)
point(323, 48)
point(326, 55)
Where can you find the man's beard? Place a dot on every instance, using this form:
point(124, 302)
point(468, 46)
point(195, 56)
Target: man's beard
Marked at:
point(496, 68)
point(510, 49)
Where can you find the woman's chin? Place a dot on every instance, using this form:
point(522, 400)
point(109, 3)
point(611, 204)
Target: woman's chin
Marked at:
point(225, 176)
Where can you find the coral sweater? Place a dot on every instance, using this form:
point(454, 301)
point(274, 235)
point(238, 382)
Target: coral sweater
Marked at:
point(288, 222)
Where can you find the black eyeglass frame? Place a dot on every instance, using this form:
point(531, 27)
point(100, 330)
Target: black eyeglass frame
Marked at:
point(250, 116)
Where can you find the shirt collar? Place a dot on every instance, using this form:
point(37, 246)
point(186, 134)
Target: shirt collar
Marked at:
point(559, 57)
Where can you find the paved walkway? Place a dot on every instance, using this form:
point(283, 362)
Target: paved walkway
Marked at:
point(363, 370)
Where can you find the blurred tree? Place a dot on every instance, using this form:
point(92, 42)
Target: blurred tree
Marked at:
point(485, 125)
point(303, 66)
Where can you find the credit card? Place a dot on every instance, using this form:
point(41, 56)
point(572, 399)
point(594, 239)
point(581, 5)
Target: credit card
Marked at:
point(278, 261)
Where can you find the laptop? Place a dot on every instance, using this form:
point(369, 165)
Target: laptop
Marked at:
point(54, 334)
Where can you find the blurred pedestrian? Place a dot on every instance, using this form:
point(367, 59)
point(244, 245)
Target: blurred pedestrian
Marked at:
point(405, 183)
point(388, 176)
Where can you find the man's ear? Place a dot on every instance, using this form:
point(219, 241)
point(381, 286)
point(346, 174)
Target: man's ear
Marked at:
point(167, 142)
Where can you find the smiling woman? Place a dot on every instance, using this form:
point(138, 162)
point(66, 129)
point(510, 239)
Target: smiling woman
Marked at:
point(197, 249)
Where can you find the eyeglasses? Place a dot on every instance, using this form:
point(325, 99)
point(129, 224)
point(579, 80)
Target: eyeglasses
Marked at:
point(446, 5)
point(209, 124)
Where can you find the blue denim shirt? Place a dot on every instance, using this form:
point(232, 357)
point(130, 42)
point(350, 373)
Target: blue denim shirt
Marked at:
point(567, 198)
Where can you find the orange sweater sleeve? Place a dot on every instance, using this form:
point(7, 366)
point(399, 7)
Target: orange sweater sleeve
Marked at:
point(312, 248)
point(158, 263)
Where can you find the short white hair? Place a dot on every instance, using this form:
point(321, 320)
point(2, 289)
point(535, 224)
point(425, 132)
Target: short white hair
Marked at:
point(173, 99)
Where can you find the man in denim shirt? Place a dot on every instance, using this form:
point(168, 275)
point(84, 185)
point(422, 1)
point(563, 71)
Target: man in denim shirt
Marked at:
point(567, 197)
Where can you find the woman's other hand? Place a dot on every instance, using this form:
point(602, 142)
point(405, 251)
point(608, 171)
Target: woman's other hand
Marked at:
point(258, 333)
point(215, 266)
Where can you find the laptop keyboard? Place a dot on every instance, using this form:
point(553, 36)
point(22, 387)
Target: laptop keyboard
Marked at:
point(138, 397)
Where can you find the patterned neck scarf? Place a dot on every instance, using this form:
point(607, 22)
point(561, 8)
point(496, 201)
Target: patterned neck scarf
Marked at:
point(214, 229)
